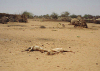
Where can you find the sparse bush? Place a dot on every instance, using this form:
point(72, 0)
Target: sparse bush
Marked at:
point(46, 16)
point(54, 15)
point(27, 14)
point(73, 16)
point(68, 19)
point(87, 16)
point(65, 14)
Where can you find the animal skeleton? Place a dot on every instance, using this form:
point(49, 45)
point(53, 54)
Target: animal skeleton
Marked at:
point(49, 52)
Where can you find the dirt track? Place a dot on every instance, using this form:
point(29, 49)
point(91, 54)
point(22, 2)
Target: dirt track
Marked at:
point(15, 37)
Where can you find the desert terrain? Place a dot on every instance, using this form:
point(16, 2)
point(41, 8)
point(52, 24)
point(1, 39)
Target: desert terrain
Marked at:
point(16, 37)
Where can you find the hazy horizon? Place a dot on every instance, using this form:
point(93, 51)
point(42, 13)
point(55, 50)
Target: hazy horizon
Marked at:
point(43, 7)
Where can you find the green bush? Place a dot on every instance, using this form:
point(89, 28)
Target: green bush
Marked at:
point(54, 15)
point(27, 14)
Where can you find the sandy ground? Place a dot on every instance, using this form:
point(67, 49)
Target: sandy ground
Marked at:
point(15, 37)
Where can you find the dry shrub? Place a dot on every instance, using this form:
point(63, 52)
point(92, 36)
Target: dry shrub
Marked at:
point(42, 27)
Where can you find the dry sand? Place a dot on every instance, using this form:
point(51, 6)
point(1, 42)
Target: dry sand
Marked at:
point(15, 37)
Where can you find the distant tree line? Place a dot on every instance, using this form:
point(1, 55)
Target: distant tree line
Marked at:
point(64, 16)
point(56, 16)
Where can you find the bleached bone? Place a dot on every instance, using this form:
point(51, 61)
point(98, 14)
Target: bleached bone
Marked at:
point(51, 53)
point(57, 50)
point(36, 48)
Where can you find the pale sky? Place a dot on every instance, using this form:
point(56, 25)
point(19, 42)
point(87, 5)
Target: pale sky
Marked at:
point(42, 7)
